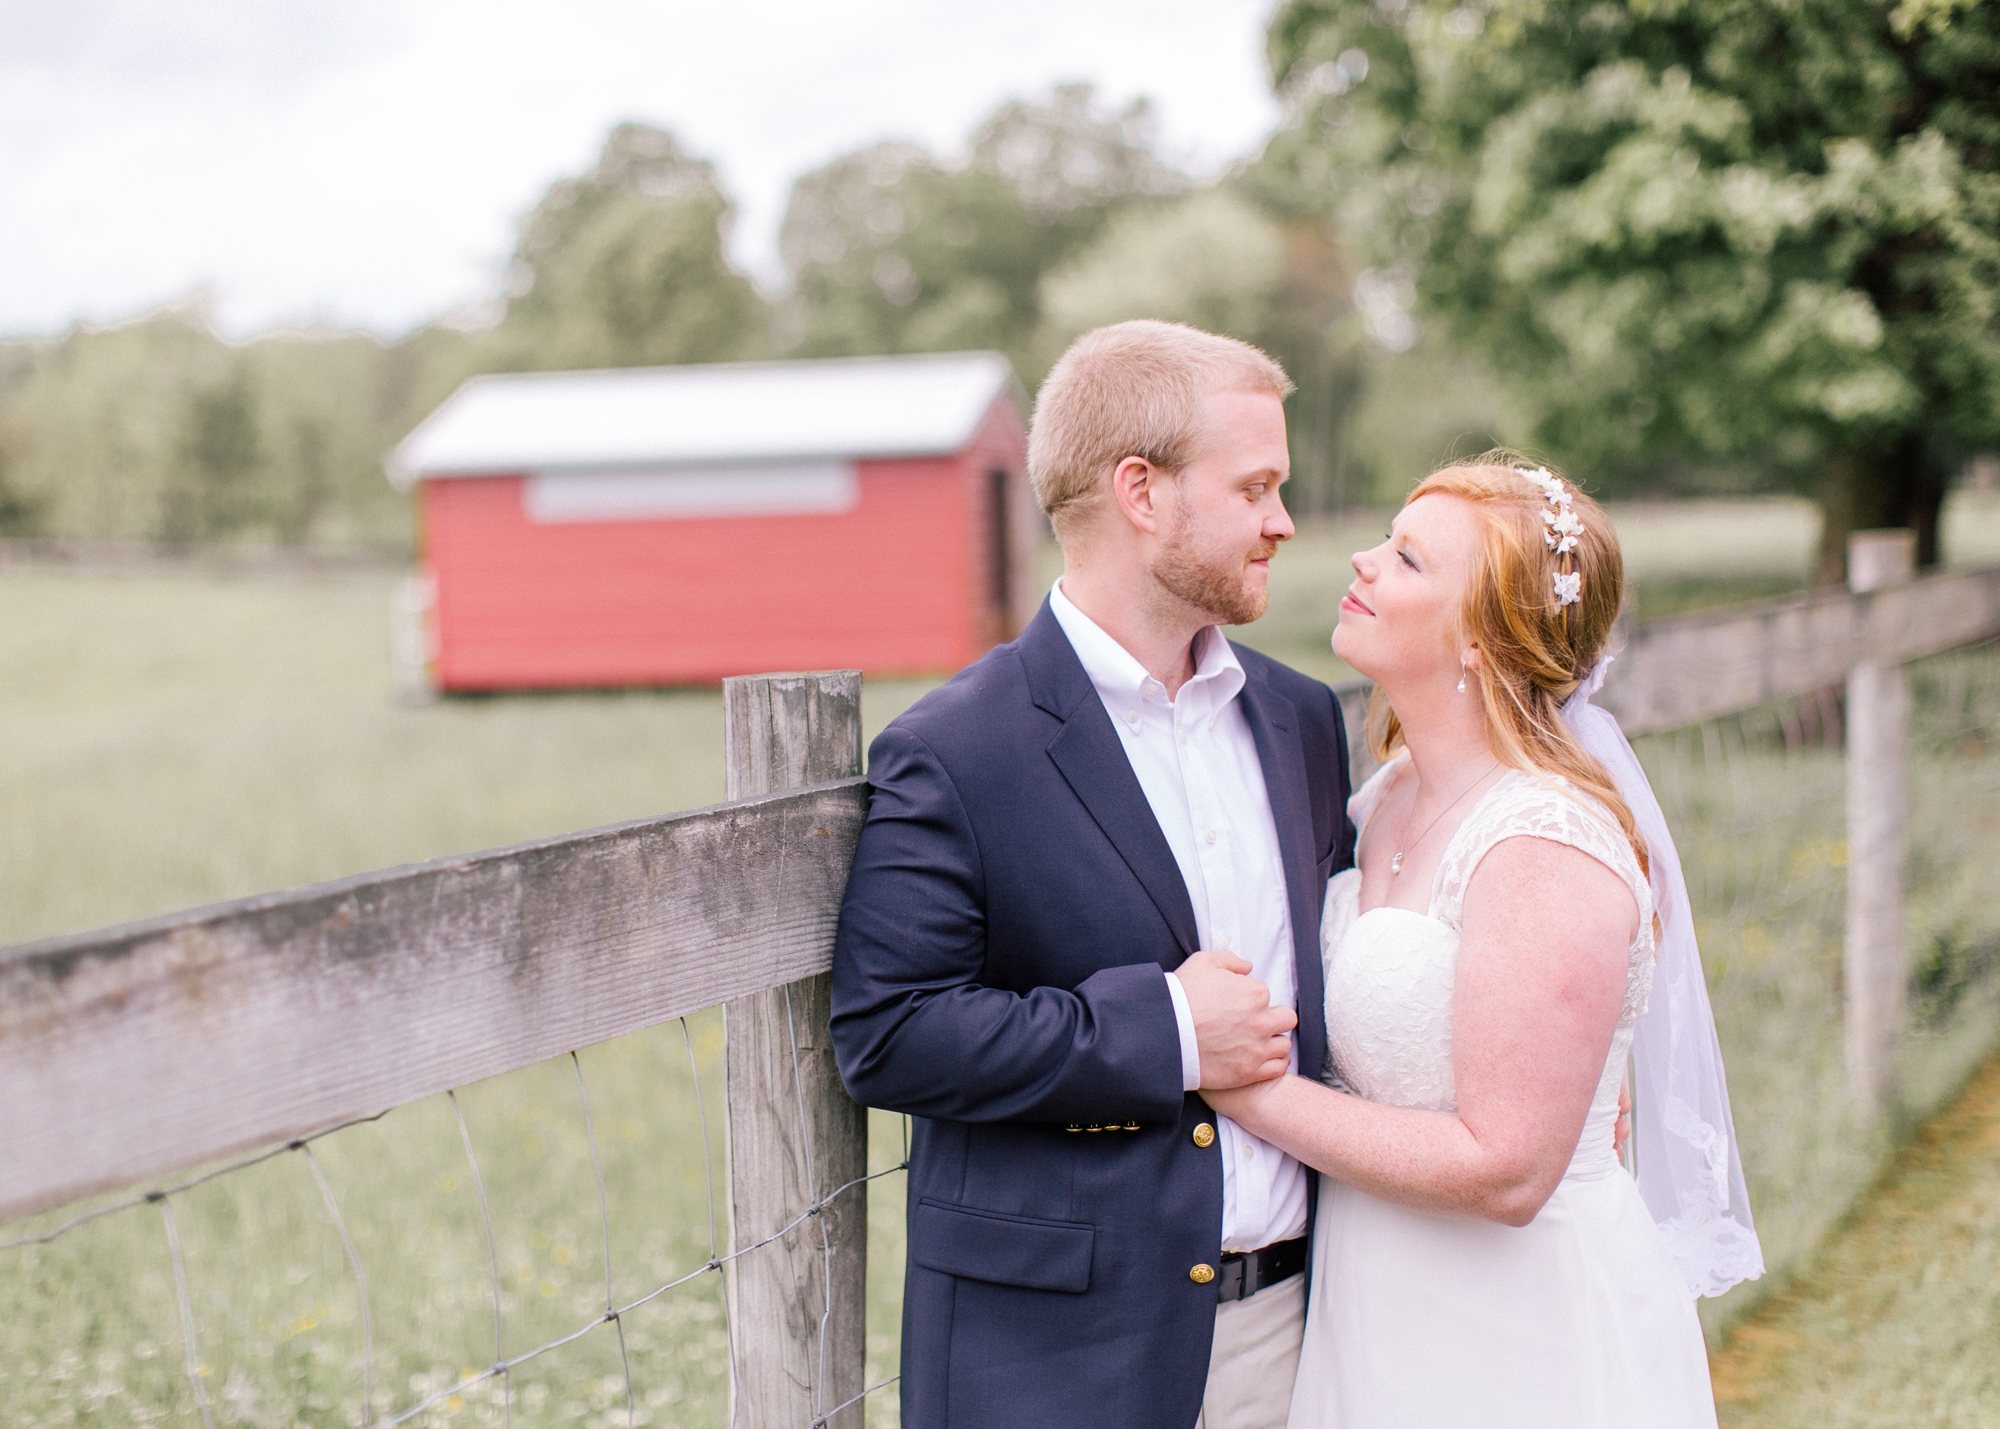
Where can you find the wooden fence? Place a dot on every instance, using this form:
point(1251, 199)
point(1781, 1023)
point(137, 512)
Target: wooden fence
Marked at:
point(142, 1050)
point(138, 1051)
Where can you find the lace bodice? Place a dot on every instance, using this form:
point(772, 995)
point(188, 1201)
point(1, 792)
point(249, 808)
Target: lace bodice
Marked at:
point(1390, 973)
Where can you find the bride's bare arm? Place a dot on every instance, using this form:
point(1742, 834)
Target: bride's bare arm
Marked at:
point(1541, 979)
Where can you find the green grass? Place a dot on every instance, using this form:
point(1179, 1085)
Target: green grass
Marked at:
point(89, 1325)
point(167, 741)
point(1897, 1320)
point(1756, 803)
point(173, 740)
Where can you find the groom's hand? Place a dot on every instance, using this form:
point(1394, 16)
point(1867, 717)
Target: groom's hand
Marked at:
point(1241, 1037)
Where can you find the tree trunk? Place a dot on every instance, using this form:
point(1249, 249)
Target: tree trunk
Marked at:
point(1869, 487)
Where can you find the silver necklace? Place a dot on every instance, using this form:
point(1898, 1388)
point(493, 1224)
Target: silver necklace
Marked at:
point(1396, 863)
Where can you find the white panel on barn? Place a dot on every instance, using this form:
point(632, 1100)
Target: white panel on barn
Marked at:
point(792, 489)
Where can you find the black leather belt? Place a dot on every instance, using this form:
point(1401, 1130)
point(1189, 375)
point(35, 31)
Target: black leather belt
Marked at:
point(1245, 1272)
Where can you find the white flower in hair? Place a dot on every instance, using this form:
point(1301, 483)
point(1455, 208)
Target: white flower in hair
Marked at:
point(1564, 527)
point(1569, 587)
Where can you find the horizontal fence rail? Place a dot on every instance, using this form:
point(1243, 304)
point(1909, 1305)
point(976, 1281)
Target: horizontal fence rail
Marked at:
point(275, 1016)
point(1683, 670)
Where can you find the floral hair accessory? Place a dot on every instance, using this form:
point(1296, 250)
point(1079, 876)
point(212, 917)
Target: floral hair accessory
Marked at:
point(1563, 528)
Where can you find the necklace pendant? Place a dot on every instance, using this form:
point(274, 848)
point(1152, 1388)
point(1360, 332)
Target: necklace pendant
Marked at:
point(1396, 864)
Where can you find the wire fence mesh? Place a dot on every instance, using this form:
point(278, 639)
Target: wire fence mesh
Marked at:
point(1757, 804)
point(545, 1247)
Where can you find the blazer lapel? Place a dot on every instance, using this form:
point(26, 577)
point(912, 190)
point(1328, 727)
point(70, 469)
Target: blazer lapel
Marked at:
point(1274, 726)
point(1092, 759)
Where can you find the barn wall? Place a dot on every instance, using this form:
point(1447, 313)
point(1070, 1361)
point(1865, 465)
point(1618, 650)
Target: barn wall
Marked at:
point(883, 587)
point(1000, 444)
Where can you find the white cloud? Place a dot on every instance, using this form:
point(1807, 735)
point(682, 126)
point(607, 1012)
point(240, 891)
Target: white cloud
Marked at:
point(362, 161)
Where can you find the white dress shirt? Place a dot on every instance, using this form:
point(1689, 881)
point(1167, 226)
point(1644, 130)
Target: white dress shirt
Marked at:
point(1197, 763)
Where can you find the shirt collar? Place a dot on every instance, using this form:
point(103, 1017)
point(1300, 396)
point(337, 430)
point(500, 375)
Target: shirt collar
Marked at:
point(1122, 682)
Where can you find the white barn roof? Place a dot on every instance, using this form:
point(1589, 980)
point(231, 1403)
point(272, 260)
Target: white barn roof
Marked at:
point(663, 417)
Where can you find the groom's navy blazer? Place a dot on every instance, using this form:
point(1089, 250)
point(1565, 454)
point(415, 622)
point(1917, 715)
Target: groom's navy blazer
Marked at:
point(1000, 975)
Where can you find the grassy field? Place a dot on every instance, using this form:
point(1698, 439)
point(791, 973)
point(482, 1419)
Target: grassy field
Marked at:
point(1897, 1321)
point(172, 740)
point(167, 741)
point(1756, 802)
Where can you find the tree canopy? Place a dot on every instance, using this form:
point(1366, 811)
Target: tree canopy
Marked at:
point(1683, 230)
point(891, 249)
point(625, 266)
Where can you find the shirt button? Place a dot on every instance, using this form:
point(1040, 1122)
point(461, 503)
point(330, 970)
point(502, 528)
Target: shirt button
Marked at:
point(1248, 1151)
point(1209, 836)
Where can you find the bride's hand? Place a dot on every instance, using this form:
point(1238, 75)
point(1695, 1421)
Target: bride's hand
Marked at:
point(1241, 1104)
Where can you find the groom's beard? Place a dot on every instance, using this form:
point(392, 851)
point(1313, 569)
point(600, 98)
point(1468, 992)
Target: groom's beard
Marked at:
point(1222, 590)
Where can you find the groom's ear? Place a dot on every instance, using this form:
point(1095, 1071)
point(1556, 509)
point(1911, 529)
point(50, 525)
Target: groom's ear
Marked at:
point(1136, 490)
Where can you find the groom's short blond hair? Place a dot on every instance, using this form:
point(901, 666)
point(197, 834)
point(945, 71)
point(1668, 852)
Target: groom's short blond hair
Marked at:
point(1132, 389)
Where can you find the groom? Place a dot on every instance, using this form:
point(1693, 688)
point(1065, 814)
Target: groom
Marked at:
point(1089, 884)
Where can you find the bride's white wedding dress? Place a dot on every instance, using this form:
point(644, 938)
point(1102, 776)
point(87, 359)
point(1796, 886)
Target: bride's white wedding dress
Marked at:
point(1421, 1321)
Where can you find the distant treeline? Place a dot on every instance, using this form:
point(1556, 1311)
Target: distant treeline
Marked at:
point(1061, 215)
point(1712, 245)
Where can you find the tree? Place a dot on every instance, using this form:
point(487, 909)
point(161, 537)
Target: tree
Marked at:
point(625, 266)
point(215, 490)
point(1685, 230)
point(1221, 260)
point(1212, 259)
point(1072, 162)
point(891, 250)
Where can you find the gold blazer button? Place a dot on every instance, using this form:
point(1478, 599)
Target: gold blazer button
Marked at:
point(1204, 1135)
point(1202, 1274)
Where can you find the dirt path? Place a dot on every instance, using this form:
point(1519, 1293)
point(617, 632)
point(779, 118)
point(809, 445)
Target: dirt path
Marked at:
point(1898, 1321)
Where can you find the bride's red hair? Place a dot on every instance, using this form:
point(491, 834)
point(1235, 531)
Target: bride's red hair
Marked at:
point(1533, 653)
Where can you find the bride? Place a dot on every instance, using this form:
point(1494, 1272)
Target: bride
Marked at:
point(1480, 1255)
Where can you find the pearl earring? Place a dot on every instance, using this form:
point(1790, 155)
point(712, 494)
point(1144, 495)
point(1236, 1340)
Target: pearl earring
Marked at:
point(1461, 679)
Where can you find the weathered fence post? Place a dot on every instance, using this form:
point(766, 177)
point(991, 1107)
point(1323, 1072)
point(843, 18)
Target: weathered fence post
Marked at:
point(797, 1305)
point(1878, 723)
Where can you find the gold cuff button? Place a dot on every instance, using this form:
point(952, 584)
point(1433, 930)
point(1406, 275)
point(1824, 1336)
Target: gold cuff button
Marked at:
point(1202, 1274)
point(1204, 1135)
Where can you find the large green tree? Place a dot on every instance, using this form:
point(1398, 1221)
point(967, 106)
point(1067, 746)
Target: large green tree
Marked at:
point(625, 266)
point(1699, 231)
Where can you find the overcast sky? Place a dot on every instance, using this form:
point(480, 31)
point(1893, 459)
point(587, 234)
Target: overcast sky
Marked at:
point(364, 162)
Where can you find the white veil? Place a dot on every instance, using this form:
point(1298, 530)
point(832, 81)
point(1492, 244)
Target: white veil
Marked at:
point(1690, 1174)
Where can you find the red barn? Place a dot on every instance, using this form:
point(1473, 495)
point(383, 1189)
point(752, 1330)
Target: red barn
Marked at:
point(675, 525)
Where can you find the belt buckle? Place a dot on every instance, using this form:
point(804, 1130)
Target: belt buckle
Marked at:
point(1234, 1281)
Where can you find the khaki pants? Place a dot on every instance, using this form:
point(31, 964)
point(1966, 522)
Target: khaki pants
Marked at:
point(1256, 1358)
